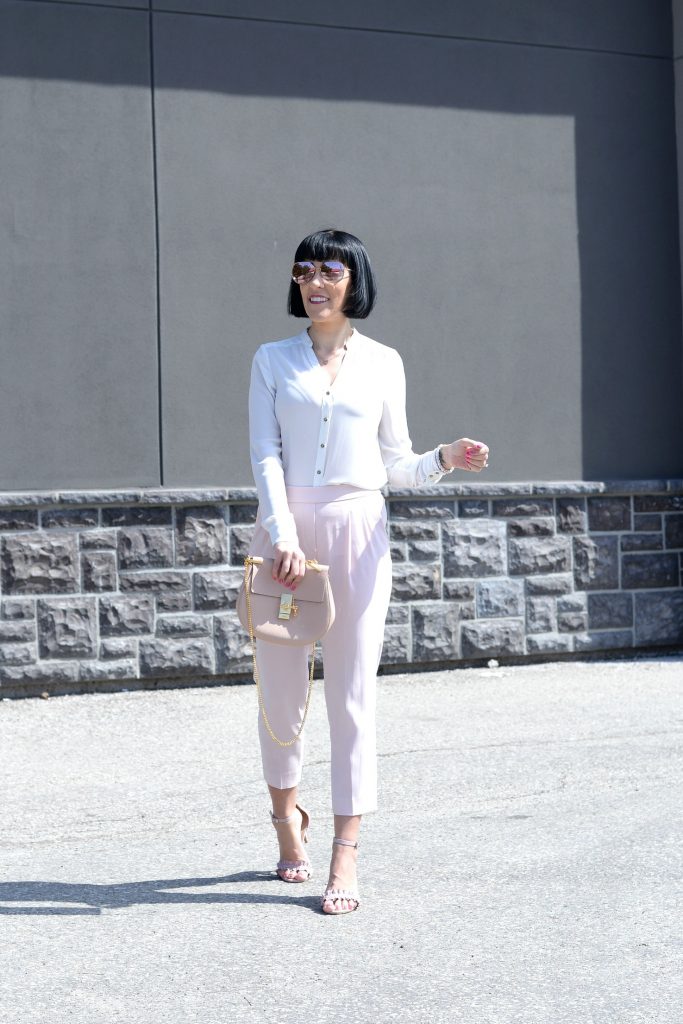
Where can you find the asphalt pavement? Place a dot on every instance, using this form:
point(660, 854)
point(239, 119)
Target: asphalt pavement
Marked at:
point(525, 864)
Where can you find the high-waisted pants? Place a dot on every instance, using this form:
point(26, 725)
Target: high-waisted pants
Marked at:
point(343, 527)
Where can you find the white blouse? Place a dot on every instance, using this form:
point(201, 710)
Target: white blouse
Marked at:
point(306, 432)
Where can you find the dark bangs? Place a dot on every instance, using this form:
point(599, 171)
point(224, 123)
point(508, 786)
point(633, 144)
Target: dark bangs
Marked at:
point(338, 245)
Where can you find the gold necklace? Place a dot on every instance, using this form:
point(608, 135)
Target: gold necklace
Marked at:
point(337, 352)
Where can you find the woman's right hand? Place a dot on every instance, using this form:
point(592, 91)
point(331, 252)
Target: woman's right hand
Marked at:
point(289, 565)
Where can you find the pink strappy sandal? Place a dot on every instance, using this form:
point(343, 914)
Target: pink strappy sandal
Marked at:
point(331, 895)
point(285, 867)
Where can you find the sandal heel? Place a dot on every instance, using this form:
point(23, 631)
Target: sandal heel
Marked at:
point(299, 866)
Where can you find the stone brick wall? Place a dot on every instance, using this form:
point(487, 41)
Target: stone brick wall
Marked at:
point(114, 589)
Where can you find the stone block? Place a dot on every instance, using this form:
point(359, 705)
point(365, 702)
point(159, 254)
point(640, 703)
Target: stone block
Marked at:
point(497, 599)
point(572, 603)
point(100, 671)
point(649, 571)
point(435, 632)
point(424, 551)
point(43, 673)
point(659, 617)
point(18, 654)
point(396, 648)
point(540, 527)
point(183, 625)
point(596, 563)
point(166, 659)
point(571, 515)
point(413, 582)
point(98, 570)
point(607, 640)
point(474, 548)
point(418, 530)
point(658, 503)
point(158, 583)
point(398, 615)
point(474, 508)
point(609, 513)
point(201, 535)
point(523, 506)
point(554, 584)
point(467, 610)
point(399, 552)
point(240, 542)
point(18, 519)
point(67, 627)
point(458, 590)
point(489, 637)
point(145, 547)
point(18, 608)
point(541, 615)
point(427, 508)
point(39, 563)
point(98, 540)
point(531, 555)
point(610, 611)
point(180, 602)
point(123, 616)
point(137, 515)
point(232, 645)
point(642, 542)
point(243, 513)
point(647, 521)
point(214, 591)
point(673, 531)
point(118, 647)
point(548, 643)
point(572, 622)
point(13, 631)
point(65, 518)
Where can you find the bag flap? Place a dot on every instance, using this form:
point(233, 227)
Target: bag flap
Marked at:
point(311, 588)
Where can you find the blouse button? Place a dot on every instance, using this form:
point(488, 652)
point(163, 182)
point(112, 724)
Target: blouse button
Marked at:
point(324, 419)
point(322, 445)
point(319, 471)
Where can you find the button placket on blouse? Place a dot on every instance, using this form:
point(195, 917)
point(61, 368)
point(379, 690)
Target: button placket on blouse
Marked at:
point(323, 434)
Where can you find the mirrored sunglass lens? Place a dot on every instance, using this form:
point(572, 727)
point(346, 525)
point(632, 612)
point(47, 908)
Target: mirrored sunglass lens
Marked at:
point(332, 269)
point(302, 272)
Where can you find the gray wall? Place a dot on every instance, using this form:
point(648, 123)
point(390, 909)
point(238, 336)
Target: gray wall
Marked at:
point(512, 169)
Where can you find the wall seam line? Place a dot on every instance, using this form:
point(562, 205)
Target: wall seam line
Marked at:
point(155, 189)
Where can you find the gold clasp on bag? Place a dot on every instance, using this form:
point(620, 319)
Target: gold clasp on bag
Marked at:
point(287, 607)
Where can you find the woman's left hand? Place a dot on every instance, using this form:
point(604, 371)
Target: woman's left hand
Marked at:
point(466, 454)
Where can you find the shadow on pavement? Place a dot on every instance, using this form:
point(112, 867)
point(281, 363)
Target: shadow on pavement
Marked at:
point(29, 897)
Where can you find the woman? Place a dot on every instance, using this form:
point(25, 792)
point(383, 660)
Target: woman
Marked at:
point(328, 429)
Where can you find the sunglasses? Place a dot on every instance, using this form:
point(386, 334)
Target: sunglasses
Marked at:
point(330, 270)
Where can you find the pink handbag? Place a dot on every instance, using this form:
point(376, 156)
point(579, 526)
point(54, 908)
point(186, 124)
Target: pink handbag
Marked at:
point(273, 613)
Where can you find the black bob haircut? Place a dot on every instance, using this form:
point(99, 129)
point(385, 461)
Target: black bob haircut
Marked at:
point(329, 244)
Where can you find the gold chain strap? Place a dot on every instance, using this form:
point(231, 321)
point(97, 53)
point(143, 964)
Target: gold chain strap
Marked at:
point(249, 566)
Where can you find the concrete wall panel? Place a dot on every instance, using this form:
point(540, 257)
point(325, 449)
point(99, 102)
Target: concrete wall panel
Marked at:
point(101, 3)
point(640, 26)
point(517, 202)
point(77, 261)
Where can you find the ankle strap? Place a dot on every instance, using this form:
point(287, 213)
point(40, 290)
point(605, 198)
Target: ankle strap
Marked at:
point(345, 842)
point(289, 818)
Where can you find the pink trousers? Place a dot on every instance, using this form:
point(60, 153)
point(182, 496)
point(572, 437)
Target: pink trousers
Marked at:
point(343, 527)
